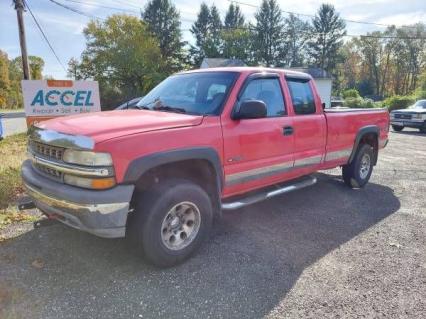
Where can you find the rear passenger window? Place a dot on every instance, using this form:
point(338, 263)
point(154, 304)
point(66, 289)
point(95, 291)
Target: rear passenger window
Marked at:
point(302, 96)
point(268, 91)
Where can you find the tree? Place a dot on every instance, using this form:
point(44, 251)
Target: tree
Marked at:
point(235, 35)
point(215, 42)
point(268, 34)
point(296, 33)
point(36, 66)
point(123, 56)
point(207, 32)
point(328, 30)
point(234, 17)
point(163, 21)
point(4, 78)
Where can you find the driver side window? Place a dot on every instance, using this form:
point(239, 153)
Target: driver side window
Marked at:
point(267, 91)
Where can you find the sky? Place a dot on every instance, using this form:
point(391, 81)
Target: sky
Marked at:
point(64, 28)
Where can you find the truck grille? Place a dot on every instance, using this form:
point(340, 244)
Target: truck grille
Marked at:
point(47, 151)
point(403, 116)
point(49, 172)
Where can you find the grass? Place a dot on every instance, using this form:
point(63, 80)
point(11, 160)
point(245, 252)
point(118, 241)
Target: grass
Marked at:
point(12, 154)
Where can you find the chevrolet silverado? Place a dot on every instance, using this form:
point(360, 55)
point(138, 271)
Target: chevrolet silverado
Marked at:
point(201, 142)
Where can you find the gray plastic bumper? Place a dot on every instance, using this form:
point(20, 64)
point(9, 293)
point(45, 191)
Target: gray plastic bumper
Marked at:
point(102, 213)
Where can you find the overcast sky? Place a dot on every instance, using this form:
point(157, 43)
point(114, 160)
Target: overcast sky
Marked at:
point(64, 28)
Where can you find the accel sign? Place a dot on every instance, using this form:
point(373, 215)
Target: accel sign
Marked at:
point(45, 99)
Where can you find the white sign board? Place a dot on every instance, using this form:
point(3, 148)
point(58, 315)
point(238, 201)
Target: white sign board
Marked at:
point(49, 98)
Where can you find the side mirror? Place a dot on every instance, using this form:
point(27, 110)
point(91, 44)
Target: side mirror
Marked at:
point(251, 109)
point(323, 105)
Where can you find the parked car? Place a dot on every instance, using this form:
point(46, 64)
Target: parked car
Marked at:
point(414, 116)
point(131, 104)
point(202, 142)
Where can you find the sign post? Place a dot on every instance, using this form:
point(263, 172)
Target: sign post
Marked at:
point(46, 99)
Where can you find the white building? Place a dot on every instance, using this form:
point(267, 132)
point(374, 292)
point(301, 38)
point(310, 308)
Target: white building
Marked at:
point(323, 82)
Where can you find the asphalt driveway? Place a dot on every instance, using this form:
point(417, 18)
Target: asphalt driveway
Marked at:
point(325, 251)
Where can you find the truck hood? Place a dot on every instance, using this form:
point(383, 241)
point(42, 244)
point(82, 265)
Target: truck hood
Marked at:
point(101, 126)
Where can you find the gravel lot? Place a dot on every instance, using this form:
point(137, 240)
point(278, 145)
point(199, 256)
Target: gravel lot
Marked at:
point(325, 251)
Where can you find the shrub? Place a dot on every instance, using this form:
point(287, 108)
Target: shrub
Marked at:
point(359, 102)
point(398, 102)
point(350, 93)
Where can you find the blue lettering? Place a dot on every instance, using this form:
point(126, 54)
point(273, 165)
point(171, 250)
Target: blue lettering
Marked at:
point(49, 94)
point(64, 96)
point(89, 95)
point(79, 96)
point(38, 99)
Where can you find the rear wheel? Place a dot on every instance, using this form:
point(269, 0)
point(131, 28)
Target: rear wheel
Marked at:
point(170, 221)
point(358, 172)
point(397, 128)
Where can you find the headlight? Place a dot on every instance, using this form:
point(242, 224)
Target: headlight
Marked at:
point(92, 183)
point(87, 158)
point(392, 116)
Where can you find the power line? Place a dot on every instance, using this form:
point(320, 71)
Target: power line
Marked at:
point(313, 16)
point(45, 37)
point(76, 10)
point(102, 6)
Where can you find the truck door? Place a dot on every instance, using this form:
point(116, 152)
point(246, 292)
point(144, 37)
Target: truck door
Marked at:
point(309, 124)
point(258, 152)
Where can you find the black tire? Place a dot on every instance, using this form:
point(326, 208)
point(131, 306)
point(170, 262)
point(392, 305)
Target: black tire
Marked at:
point(352, 172)
point(145, 226)
point(423, 129)
point(397, 128)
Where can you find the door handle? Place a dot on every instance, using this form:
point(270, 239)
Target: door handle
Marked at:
point(288, 130)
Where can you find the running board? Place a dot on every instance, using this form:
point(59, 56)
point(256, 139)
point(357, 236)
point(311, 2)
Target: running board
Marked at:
point(265, 195)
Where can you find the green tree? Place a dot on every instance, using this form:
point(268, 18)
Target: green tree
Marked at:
point(207, 32)
point(268, 34)
point(4, 78)
point(36, 66)
point(123, 56)
point(215, 41)
point(234, 17)
point(296, 33)
point(328, 30)
point(163, 21)
point(235, 35)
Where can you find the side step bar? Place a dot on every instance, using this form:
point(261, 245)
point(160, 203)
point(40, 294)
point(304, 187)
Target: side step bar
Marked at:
point(268, 194)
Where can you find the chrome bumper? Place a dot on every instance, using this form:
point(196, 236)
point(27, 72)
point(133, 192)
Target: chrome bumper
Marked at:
point(73, 207)
point(102, 213)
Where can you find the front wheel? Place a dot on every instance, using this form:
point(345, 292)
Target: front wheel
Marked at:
point(397, 128)
point(170, 221)
point(358, 172)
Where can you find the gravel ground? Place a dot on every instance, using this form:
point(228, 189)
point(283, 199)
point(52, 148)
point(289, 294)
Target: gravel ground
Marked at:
point(325, 251)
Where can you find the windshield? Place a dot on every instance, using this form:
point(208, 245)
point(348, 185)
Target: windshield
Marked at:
point(194, 93)
point(421, 104)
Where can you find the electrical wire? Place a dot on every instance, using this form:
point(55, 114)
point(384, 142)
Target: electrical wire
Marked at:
point(44, 36)
point(76, 10)
point(313, 16)
point(96, 5)
point(242, 28)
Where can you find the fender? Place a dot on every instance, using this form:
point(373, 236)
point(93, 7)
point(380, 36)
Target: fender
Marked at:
point(141, 165)
point(362, 131)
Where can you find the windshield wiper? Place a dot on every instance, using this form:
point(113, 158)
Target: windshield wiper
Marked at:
point(159, 106)
point(169, 108)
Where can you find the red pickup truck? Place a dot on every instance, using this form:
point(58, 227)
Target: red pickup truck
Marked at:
point(199, 143)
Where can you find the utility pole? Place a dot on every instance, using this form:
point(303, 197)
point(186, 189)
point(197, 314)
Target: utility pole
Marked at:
point(19, 7)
